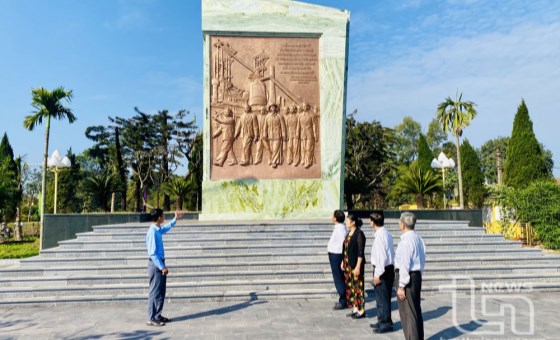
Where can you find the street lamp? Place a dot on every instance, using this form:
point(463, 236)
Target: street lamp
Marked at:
point(56, 163)
point(442, 162)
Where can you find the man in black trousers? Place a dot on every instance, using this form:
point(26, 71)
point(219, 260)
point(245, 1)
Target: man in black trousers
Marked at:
point(382, 259)
point(335, 257)
point(409, 264)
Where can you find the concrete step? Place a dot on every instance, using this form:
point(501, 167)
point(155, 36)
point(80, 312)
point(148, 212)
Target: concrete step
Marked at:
point(12, 276)
point(179, 236)
point(200, 226)
point(137, 244)
point(281, 226)
point(254, 248)
point(446, 258)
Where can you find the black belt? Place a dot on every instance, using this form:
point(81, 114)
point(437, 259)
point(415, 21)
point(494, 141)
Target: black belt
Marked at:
point(389, 267)
point(411, 272)
point(150, 259)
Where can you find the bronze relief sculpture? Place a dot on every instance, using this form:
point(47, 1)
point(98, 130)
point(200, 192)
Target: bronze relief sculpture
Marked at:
point(260, 94)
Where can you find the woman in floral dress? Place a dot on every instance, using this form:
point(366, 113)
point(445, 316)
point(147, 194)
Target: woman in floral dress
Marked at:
point(354, 265)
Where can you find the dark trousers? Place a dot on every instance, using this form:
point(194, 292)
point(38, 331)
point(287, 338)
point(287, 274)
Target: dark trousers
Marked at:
point(410, 310)
point(156, 297)
point(338, 276)
point(383, 293)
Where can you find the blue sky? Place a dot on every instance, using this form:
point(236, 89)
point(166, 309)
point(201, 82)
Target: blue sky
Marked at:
point(405, 57)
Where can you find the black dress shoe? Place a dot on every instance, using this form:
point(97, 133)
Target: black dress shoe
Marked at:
point(383, 330)
point(374, 325)
point(351, 315)
point(359, 316)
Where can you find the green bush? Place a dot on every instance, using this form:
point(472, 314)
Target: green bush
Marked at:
point(539, 205)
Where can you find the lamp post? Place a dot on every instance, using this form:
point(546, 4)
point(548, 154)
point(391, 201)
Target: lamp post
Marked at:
point(56, 163)
point(442, 162)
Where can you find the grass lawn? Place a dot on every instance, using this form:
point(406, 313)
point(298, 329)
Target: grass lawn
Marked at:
point(18, 250)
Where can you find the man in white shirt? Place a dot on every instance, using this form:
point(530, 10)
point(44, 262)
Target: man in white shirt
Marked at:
point(409, 264)
point(382, 259)
point(335, 257)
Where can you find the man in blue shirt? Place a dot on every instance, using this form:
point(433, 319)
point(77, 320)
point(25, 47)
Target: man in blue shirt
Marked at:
point(157, 270)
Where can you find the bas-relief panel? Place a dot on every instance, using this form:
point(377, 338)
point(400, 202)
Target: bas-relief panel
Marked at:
point(264, 104)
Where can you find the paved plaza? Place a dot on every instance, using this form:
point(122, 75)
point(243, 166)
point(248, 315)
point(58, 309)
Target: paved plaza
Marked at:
point(288, 319)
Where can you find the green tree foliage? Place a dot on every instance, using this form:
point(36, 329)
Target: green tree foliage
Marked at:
point(425, 155)
point(454, 116)
point(9, 195)
point(178, 187)
point(108, 152)
point(420, 183)
point(150, 145)
point(524, 163)
point(194, 202)
point(368, 160)
point(435, 136)
point(538, 205)
point(100, 186)
point(488, 157)
point(406, 140)
point(473, 178)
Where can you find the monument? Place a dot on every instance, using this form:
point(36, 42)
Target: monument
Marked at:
point(274, 109)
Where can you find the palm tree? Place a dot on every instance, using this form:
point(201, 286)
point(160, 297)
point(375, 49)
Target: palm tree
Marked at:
point(47, 105)
point(178, 187)
point(101, 186)
point(419, 182)
point(454, 116)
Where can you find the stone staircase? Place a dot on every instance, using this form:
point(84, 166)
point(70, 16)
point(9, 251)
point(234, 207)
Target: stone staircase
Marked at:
point(210, 261)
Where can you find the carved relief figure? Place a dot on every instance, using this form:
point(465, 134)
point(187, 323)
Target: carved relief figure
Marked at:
point(262, 143)
point(248, 130)
point(275, 133)
point(292, 125)
point(227, 130)
point(308, 135)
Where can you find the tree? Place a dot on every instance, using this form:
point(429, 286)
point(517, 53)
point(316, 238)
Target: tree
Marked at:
point(108, 151)
point(100, 186)
point(406, 140)
point(524, 163)
point(47, 105)
point(178, 187)
point(420, 183)
point(425, 155)
point(195, 171)
point(488, 154)
point(454, 116)
point(475, 192)
point(435, 136)
point(367, 161)
point(11, 174)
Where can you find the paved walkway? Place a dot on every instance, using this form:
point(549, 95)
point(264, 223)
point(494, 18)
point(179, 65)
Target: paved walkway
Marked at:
point(291, 319)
